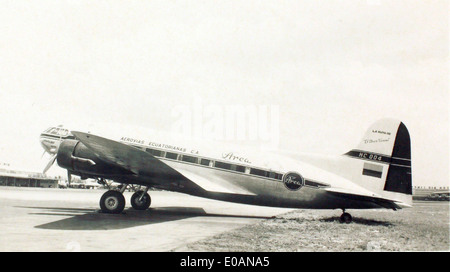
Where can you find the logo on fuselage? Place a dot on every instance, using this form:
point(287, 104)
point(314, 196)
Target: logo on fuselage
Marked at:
point(293, 181)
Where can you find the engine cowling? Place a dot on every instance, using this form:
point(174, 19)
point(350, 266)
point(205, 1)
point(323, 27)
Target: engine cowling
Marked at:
point(79, 159)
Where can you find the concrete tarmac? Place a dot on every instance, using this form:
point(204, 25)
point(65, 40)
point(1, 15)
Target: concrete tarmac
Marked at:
point(38, 219)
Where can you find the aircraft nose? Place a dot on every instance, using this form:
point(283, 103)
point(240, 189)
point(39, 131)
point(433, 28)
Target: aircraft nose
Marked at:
point(43, 142)
point(49, 145)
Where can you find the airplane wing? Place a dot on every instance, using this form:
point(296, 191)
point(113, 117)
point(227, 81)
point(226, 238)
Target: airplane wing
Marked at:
point(214, 184)
point(133, 159)
point(142, 163)
point(365, 196)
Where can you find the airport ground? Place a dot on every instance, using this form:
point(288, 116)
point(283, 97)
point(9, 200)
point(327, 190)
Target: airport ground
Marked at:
point(37, 219)
point(41, 219)
point(425, 227)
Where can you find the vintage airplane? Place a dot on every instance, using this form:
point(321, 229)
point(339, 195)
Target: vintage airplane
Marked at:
point(376, 174)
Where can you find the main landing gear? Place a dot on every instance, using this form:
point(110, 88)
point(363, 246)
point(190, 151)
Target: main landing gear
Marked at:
point(141, 200)
point(345, 217)
point(113, 201)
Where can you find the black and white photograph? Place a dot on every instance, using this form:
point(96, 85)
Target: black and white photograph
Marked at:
point(255, 127)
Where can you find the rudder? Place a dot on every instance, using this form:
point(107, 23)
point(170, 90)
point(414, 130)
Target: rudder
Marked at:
point(399, 176)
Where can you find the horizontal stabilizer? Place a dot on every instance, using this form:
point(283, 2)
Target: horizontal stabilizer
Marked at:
point(367, 196)
point(383, 202)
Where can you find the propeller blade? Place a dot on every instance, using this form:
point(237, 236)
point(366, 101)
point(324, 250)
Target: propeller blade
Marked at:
point(50, 163)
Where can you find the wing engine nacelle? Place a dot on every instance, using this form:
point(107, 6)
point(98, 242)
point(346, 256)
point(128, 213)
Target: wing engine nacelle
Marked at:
point(77, 158)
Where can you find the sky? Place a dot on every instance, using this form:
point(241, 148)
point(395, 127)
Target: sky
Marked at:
point(328, 69)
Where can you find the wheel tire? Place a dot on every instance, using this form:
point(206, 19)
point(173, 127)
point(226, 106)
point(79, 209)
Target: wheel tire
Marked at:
point(346, 218)
point(140, 205)
point(112, 202)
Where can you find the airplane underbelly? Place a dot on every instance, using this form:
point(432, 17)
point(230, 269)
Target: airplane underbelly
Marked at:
point(247, 189)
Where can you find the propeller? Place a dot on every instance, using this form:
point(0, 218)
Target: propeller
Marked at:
point(54, 152)
point(50, 163)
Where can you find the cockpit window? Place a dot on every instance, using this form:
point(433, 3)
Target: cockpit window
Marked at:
point(57, 131)
point(62, 132)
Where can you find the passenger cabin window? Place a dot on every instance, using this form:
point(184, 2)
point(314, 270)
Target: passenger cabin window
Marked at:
point(154, 152)
point(259, 172)
point(222, 165)
point(238, 168)
point(190, 159)
point(275, 175)
point(171, 155)
point(216, 164)
point(205, 162)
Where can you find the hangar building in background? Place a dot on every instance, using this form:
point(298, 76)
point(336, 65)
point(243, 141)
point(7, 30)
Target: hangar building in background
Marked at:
point(26, 179)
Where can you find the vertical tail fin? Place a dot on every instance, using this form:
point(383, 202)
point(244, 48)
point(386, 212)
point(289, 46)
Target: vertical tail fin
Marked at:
point(385, 155)
point(399, 177)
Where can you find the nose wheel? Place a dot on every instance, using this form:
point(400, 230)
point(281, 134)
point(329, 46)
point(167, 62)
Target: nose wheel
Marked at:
point(345, 217)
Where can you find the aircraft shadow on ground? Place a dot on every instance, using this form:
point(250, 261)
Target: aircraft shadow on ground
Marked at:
point(93, 219)
point(360, 221)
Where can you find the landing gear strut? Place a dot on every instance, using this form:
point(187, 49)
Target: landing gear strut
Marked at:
point(345, 217)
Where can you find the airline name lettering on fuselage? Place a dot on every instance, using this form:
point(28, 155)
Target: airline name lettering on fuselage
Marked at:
point(370, 156)
point(131, 140)
point(293, 181)
point(142, 142)
point(232, 157)
point(165, 146)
